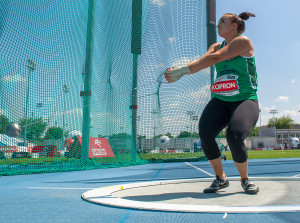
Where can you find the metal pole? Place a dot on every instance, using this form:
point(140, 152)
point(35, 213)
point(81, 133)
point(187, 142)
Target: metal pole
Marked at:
point(87, 83)
point(191, 113)
point(26, 108)
point(136, 40)
point(134, 106)
point(260, 118)
point(31, 67)
point(154, 112)
point(66, 90)
point(211, 29)
point(274, 111)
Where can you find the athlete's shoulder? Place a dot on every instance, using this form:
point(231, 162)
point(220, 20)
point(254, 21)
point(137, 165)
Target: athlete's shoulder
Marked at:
point(242, 39)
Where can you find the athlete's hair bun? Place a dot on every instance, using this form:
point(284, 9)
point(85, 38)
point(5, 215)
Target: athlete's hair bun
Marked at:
point(246, 15)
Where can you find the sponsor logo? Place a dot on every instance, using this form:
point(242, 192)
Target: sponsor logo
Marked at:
point(99, 152)
point(98, 142)
point(226, 85)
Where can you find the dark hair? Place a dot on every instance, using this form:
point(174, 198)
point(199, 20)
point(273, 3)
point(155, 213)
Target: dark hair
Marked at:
point(239, 20)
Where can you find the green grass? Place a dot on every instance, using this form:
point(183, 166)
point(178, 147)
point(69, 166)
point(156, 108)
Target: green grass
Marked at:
point(119, 158)
point(25, 161)
point(126, 158)
point(164, 156)
point(269, 154)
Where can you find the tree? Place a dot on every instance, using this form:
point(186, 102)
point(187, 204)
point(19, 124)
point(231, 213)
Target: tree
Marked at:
point(54, 133)
point(223, 133)
point(35, 128)
point(120, 136)
point(285, 122)
point(255, 131)
point(4, 121)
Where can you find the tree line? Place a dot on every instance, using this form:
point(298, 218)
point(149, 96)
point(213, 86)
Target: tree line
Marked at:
point(36, 128)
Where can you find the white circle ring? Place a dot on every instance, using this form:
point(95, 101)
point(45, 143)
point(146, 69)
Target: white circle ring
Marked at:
point(107, 196)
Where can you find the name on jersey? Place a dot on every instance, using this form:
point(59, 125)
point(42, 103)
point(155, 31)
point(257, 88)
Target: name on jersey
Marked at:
point(223, 72)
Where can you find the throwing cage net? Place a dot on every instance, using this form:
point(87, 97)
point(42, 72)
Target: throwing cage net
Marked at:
point(82, 86)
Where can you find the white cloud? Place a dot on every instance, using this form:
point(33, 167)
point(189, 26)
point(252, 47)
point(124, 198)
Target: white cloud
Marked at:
point(175, 104)
point(200, 97)
point(13, 78)
point(75, 111)
point(266, 108)
point(160, 3)
point(101, 117)
point(184, 61)
point(293, 81)
point(171, 39)
point(49, 99)
point(282, 99)
point(3, 112)
point(292, 113)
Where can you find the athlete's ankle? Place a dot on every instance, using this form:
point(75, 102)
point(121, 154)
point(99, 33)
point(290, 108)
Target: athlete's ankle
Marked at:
point(244, 177)
point(222, 176)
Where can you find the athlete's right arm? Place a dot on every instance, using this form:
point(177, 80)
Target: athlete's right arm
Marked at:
point(175, 73)
point(238, 46)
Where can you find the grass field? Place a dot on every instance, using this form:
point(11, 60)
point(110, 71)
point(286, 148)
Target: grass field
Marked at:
point(126, 158)
point(269, 154)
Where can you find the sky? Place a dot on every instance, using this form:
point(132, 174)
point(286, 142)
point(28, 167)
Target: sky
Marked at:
point(173, 33)
point(275, 35)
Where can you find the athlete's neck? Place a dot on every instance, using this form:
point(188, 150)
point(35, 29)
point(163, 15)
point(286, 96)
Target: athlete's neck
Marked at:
point(230, 38)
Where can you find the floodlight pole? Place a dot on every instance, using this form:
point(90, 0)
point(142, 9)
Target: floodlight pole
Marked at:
point(259, 119)
point(191, 113)
point(66, 89)
point(274, 111)
point(31, 67)
point(154, 112)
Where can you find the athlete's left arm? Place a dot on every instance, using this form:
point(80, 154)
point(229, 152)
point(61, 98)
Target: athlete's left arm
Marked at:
point(236, 47)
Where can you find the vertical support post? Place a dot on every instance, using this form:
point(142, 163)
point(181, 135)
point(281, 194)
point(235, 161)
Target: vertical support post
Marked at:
point(211, 29)
point(26, 108)
point(87, 82)
point(31, 67)
point(136, 39)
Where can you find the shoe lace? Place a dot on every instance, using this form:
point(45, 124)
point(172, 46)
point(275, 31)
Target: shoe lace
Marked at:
point(216, 183)
point(247, 184)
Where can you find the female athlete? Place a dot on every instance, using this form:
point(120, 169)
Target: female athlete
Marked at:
point(234, 103)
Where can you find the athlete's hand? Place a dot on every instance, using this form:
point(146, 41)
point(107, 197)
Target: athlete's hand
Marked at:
point(175, 73)
point(167, 75)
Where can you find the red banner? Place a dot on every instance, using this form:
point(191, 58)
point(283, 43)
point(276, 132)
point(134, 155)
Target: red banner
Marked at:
point(8, 149)
point(99, 147)
point(258, 148)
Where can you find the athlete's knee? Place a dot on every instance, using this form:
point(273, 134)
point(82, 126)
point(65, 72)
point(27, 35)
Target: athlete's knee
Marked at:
point(235, 136)
point(204, 135)
point(207, 133)
point(235, 139)
point(211, 151)
point(240, 156)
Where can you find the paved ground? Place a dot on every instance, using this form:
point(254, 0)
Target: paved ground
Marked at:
point(56, 197)
point(191, 193)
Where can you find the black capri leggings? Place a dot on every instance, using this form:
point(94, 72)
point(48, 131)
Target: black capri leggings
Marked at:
point(240, 117)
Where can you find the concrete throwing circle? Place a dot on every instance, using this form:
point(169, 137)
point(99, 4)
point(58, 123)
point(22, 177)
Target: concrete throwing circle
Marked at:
point(277, 194)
